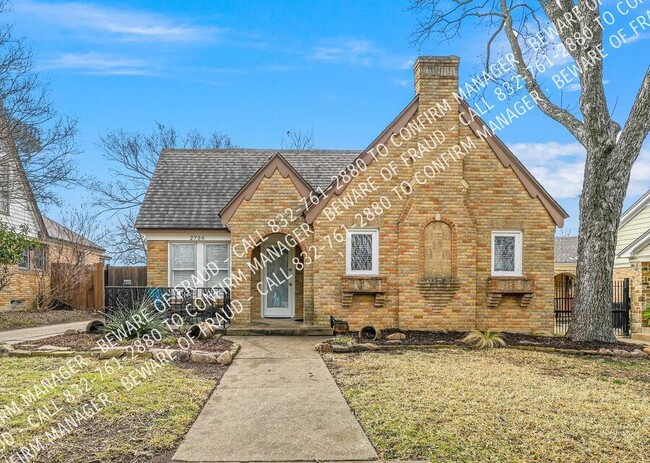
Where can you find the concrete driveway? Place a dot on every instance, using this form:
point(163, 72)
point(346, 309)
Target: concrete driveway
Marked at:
point(276, 402)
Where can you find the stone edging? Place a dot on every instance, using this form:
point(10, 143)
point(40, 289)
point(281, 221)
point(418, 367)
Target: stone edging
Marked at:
point(340, 349)
point(224, 358)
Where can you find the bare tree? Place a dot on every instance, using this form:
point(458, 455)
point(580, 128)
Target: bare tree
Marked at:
point(133, 157)
point(298, 140)
point(44, 139)
point(533, 29)
point(65, 261)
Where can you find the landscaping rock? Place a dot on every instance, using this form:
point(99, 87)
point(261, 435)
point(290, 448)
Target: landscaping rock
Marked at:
point(21, 353)
point(646, 350)
point(396, 337)
point(202, 357)
point(164, 354)
point(369, 346)
point(323, 347)
point(637, 353)
point(603, 351)
point(620, 353)
point(52, 348)
point(5, 349)
point(225, 358)
point(529, 343)
point(61, 354)
point(142, 355)
point(95, 326)
point(337, 349)
point(394, 341)
point(113, 352)
point(71, 332)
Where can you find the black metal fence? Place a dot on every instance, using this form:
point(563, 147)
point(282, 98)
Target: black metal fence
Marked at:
point(192, 305)
point(620, 306)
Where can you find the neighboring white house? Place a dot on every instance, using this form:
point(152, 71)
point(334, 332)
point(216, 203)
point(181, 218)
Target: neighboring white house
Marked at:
point(633, 244)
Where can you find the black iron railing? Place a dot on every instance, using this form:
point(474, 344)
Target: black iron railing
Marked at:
point(620, 308)
point(192, 305)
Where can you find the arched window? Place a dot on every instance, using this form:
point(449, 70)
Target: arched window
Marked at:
point(437, 250)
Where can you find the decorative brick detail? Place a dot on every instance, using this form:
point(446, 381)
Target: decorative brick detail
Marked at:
point(351, 285)
point(518, 286)
point(439, 291)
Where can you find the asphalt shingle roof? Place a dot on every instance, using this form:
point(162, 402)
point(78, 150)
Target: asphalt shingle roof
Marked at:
point(60, 232)
point(190, 187)
point(566, 249)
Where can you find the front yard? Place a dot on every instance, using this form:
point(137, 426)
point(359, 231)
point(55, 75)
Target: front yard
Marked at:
point(105, 418)
point(457, 405)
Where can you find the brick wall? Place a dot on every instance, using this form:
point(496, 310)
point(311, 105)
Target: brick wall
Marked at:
point(157, 266)
point(272, 197)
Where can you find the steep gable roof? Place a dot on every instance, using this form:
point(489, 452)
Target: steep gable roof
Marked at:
point(56, 231)
point(507, 158)
point(190, 187)
point(276, 162)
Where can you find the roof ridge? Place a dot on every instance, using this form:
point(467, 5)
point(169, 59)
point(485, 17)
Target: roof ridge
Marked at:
point(254, 150)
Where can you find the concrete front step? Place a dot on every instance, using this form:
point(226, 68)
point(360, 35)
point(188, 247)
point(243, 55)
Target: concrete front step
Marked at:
point(645, 336)
point(279, 331)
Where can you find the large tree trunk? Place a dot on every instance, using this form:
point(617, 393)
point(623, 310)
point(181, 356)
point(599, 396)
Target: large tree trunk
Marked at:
point(600, 207)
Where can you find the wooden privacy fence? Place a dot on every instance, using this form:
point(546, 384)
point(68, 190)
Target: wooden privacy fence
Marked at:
point(126, 276)
point(81, 287)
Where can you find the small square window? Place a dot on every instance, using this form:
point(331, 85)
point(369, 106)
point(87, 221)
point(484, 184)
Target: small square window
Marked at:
point(362, 254)
point(507, 253)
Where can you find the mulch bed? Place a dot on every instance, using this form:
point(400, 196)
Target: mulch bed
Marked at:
point(86, 341)
point(513, 339)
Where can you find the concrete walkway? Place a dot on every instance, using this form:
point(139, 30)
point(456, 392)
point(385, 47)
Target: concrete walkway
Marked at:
point(39, 332)
point(276, 402)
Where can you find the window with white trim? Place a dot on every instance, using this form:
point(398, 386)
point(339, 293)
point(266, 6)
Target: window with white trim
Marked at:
point(217, 259)
point(362, 252)
point(507, 253)
point(183, 262)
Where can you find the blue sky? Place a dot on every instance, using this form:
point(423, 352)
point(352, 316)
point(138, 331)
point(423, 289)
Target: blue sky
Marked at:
point(256, 69)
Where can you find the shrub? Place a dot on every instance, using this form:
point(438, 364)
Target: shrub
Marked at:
point(135, 321)
point(484, 340)
point(646, 316)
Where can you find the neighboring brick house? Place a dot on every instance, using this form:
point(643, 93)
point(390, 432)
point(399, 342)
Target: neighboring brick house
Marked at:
point(436, 225)
point(30, 279)
point(632, 260)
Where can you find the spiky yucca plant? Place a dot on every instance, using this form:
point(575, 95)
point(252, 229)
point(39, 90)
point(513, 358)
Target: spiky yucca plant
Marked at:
point(136, 320)
point(484, 340)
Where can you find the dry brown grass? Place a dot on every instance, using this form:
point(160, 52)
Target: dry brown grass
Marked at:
point(454, 405)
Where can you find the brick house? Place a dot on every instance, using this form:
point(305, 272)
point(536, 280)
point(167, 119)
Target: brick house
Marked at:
point(632, 262)
point(30, 280)
point(436, 225)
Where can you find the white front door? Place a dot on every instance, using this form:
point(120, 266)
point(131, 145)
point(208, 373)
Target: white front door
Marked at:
point(278, 283)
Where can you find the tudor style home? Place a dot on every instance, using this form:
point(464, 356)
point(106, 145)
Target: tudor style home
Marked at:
point(30, 280)
point(436, 225)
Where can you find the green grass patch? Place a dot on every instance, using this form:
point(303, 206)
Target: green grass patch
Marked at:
point(132, 426)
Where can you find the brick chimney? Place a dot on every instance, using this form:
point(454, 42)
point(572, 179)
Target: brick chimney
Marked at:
point(436, 77)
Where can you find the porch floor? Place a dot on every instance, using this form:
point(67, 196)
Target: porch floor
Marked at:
point(279, 327)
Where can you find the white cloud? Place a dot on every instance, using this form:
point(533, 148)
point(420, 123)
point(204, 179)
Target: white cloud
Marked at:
point(358, 52)
point(125, 25)
point(100, 64)
point(560, 167)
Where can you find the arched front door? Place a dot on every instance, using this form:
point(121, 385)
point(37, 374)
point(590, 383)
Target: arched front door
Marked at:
point(278, 280)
